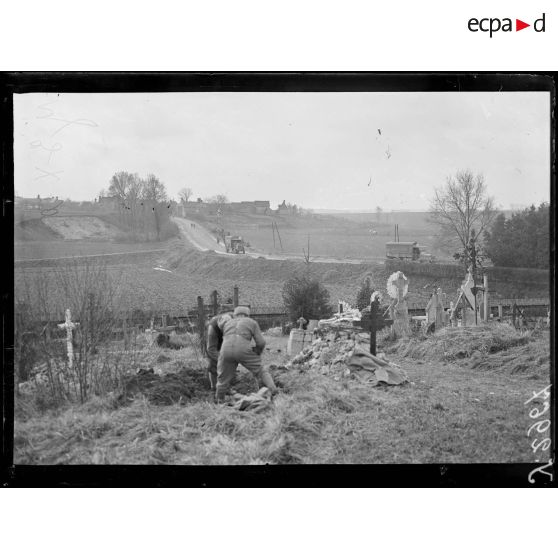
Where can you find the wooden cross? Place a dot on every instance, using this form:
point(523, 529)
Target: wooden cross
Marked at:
point(69, 326)
point(374, 322)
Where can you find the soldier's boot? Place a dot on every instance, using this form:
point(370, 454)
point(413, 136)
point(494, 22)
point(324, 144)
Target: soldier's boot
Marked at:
point(212, 380)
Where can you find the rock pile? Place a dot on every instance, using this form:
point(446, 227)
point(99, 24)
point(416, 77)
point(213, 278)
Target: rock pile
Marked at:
point(348, 315)
point(345, 354)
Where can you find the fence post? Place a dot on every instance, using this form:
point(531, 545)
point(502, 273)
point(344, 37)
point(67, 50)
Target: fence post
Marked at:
point(235, 296)
point(215, 303)
point(201, 323)
point(486, 305)
point(125, 333)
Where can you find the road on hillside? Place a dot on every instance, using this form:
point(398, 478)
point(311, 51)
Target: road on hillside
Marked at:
point(201, 239)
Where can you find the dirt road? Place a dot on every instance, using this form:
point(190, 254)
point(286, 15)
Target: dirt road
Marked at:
point(201, 239)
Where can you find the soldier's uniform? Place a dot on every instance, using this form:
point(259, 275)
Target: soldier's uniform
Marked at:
point(214, 343)
point(237, 348)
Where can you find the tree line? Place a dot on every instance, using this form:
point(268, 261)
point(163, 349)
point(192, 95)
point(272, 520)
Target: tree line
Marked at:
point(470, 225)
point(144, 209)
point(523, 240)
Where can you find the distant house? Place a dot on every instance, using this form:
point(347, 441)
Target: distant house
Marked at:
point(283, 209)
point(262, 207)
point(87, 206)
point(29, 204)
point(108, 203)
point(199, 206)
point(247, 207)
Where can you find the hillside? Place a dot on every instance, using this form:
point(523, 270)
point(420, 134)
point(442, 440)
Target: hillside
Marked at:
point(339, 235)
point(66, 227)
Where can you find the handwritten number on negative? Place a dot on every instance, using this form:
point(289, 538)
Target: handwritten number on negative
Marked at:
point(539, 425)
point(536, 413)
point(537, 394)
point(545, 443)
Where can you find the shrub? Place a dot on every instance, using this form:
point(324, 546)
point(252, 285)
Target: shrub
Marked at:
point(93, 297)
point(365, 292)
point(304, 295)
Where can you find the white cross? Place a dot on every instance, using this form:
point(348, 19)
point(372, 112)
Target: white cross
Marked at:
point(68, 325)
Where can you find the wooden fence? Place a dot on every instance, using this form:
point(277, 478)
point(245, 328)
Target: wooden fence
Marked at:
point(454, 271)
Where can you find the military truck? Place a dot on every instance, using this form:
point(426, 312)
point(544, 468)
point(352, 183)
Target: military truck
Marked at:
point(234, 244)
point(403, 250)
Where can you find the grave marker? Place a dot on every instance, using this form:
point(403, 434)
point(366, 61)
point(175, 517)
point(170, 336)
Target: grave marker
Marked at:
point(69, 326)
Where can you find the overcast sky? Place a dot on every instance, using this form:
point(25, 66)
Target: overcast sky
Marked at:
point(318, 150)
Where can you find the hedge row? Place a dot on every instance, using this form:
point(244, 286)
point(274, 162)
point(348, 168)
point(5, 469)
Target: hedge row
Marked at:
point(454, 271)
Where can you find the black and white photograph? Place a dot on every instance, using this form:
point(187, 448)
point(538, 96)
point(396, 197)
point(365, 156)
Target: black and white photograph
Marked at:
point(299, 276)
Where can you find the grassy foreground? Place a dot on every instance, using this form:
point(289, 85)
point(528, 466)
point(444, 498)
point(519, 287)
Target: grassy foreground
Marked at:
point(455, 408)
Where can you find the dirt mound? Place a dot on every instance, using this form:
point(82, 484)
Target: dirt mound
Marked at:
point(532, 358)
point(174, 342)
point(453, 344)
point(169, 389)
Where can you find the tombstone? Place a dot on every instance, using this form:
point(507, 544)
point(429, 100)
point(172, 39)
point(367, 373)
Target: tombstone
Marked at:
point(312, 325)
point(452, 315)
point(431, 310)
point(469, 299)
point(301, 322)
point(298, 339)
point(398, 287)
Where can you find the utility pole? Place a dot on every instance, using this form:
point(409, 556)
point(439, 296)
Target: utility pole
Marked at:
point(278, 235)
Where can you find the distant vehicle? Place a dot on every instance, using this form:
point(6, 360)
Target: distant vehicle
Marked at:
point(234, 244)
point(403, 251)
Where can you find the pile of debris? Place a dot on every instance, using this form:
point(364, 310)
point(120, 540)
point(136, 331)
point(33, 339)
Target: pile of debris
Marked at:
point(345, 354)
point(346, 315)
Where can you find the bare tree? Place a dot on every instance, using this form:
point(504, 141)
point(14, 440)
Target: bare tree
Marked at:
point(153, 189)
point(127, 188)
point(185, 194)
point(462, 210)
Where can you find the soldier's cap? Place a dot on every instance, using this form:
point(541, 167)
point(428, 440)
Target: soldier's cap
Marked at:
point(242, 310)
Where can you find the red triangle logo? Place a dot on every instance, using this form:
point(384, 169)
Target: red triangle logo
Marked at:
point(519, 25)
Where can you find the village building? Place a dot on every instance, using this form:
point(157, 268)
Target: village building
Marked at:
point(108, 203)
point(260, 207)
point(283, 209)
